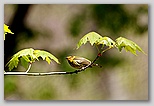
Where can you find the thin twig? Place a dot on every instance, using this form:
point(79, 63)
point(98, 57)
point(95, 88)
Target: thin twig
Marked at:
point(34, 74)
point(106, 49)
point(48, 73)
point(29, 67)
point(41, 74)
point(45, 73)
point(97, 48)
point(55, 73)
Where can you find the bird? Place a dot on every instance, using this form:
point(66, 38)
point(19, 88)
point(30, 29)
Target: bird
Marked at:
point(80, 62)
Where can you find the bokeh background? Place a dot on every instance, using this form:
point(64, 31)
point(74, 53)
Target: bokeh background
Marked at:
point(57, 28)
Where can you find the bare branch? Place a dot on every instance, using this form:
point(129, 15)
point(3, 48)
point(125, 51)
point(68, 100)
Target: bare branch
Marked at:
point(48, 73)
point(56, 73)
point(34, 74)
point(45, 73)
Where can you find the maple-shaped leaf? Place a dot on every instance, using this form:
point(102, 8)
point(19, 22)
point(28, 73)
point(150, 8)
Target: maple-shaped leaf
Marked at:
point(92, 37)
point(29, 56)
point(128, 45)
point(106, 41)
point(26, 54)
point(46, 56)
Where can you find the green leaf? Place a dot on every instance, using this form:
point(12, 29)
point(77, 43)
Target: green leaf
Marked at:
point(46, 56)
point(92, 37)
point(24, 62)
point(7, 30)
point(13, 63)
point(25, 53)
point(128, 45)
point(106, 41)
point(29, 56)
point(48, 60)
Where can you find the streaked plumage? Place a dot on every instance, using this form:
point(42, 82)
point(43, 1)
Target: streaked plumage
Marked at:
point(79, 62)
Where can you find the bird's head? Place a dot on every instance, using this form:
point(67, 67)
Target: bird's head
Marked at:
point(70, 58)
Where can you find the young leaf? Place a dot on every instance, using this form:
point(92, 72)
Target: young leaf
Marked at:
point(13, 63)
point(45, 56)
point(48, 60)
point(92, 37)
point(27, 54)
point(128, 45)
point(24, 62)
point(106, 41)
point(7, 30)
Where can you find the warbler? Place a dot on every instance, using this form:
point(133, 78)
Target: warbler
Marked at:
point(79, 62)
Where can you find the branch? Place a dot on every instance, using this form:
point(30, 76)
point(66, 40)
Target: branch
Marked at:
point(56, 73)
point(42, 74)
point(100, 54)
point(47, 73)
point(34, 74)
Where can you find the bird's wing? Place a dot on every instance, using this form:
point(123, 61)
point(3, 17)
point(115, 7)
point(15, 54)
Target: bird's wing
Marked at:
point(83, 61)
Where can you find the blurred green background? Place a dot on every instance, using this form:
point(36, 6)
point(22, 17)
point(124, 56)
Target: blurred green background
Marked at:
point(57, 28)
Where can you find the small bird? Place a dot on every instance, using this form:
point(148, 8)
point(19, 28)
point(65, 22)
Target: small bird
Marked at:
point(79, 62)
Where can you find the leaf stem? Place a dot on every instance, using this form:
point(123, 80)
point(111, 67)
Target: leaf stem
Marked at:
point(29, 67)
point(97, 48)
point(106, 49)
